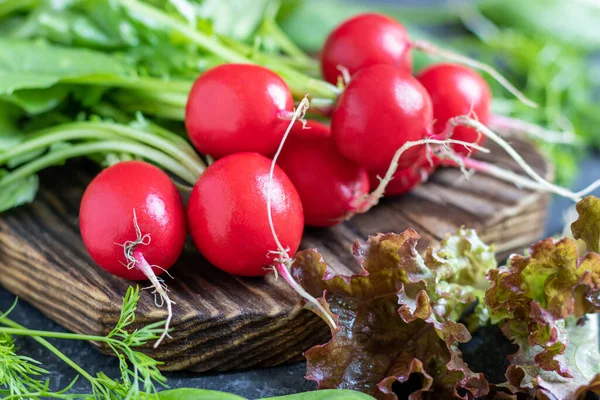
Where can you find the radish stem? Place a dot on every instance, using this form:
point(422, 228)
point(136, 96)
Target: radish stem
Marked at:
point(135, 259)
point(365, 203)
point(512, 177)
point(299, 83)
point(159, 289)
point(517, 126)
point(103, 131)
point(58, 156)
point(547, 186)
point(282, 260)
point(431, 49)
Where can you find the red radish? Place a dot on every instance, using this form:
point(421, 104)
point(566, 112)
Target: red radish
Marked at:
point(380, 110)
point(236, 108)
point(456, 90)
point(364, 41)
point(132, 222)
point(228, 218)
point(329, 185)
point(405, 179)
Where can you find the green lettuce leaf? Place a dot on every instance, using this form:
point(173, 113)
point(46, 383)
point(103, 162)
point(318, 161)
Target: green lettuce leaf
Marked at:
point(525, 375)
point(587, 226)
point(531, 298)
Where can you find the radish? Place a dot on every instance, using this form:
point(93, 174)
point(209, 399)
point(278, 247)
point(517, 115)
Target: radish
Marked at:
point(364, 41)
point(236, 108)
point(405, 180)
point(456, 90)
point(228, 217)
point(373, 39)
point(132, 223)
point(328, 184)
point(380, 110)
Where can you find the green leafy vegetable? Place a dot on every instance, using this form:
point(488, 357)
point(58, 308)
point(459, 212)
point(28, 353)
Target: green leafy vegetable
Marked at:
point(193, 394)
point(587, 226)
point(394, 321)
point(531, 296)
point(550, 18)
point(400, 316)
point(18, 192)
point(18, 374)
point(35, 65)
point(525, 375)
point(325, 395)
point(139, 372)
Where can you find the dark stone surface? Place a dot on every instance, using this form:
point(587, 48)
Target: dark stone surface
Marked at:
point(251, 384)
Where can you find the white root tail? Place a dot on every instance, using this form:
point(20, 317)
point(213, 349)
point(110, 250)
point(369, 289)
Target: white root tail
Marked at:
point(444, 153)
point(283, 261)
point(542, 183)
point(365, 203)
point(433, 50)
point(135, 259)
point(515, 126)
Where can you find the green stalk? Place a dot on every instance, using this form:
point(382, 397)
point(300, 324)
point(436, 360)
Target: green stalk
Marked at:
point(18, 330)
point(159, 104)
point(9, 7)
point(201, 39)
point(78, 150)
point(25, 332)
point(299, 83)
point(49, 396)
point(284, 42)
point(140, 83)
point(103, 131)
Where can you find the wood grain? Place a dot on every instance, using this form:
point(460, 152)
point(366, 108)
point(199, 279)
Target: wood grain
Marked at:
point(224, 322)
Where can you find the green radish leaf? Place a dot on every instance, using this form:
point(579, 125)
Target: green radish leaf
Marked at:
point(575, 23)
point(233, 18)
point(330, 394)
point(36, 65)
point(10, 134)
point(18, 193)
point(309, 22)
point(37, 101)
point(195, 394)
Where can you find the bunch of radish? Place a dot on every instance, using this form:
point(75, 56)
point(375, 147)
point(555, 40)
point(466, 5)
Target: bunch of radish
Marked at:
point(275, 171)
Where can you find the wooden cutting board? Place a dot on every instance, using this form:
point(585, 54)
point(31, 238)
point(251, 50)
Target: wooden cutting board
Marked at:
point(224, 322)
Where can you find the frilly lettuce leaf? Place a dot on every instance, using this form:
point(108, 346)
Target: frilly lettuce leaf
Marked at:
point(587, 226)
point(396, 318)
point(535, 299)
point(525, 375)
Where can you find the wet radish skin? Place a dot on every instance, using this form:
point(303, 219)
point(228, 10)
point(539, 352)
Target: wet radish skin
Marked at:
point(457, 90)
point(328, 183)
point(380, 110)
point(227, 214)
point(106, 217)
point(363, 41)
point(236, 108)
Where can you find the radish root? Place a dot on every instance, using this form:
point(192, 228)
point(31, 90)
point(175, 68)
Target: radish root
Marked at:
point(542, 184)
point(283, 261)
point(516, 126)
point(365, 203)
point(136, 259)
point(431, 49)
